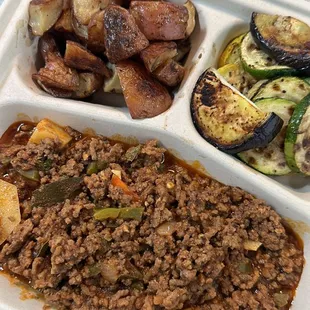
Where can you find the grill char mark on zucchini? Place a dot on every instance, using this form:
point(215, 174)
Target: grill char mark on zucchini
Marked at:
point(283, 37)
point(260, 64)
point(228, 120)
point(270, 160)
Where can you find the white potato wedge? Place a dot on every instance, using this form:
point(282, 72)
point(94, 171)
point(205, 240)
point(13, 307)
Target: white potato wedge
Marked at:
point(89, 83)
point(56, 74)
point(122, 36)
point(191, 23)
point(64, 23)
point(83, 10)
point(162, 21)
point(144, 96)
point(170, 73)
point(157, 54)
point(43, 14)
point(48, 129)
point(80, 30)
point(113, 84)
point(96, 33)
point(9, 209)
point(78, 57)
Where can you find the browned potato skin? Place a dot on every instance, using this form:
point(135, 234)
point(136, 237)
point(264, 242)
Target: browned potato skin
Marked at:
point(160, 21)
point(158, 53)
point(78, 57)
point(64, 23)
point(171, 73)
point(144, 96)
point(57, 75)
point(105, 3)
point(96, 33)
point(89, 83)
point(45, 83)
point(122, 36)
point(47, 44)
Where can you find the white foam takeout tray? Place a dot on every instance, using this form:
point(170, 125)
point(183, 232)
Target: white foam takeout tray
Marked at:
point(219, 21)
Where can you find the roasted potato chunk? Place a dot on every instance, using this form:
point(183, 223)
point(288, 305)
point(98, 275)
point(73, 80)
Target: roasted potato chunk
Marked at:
point(96, 33)
point(57, 75)
point(184, 46)
point(44, 83)
point(89, 83)
point(83, 10)
point(191, 23)
point(158, 53)
point(80, 30)
point(122, 36)
point(160, 20)
point(78, 57)
point(105, 3)
point(64, 23)
point(170, 73)
point(144, 96)
point(46, 45)
point(113, 84)
point(43, 14)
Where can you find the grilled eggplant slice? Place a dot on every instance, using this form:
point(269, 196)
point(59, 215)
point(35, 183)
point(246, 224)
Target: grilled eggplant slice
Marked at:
point(289, 88)
point(231, 53)
point(285, 38)
point(144, 96)
point(271, 159)
point(170, 73)
point(122, 36)
point(78, 57)
point(157, 54)
point(161, 21)
point(297, 141)
point(258, 63)
point(43, 14)
point(227, 119)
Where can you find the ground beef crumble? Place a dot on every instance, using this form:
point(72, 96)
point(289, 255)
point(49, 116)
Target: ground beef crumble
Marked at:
point(187, 252)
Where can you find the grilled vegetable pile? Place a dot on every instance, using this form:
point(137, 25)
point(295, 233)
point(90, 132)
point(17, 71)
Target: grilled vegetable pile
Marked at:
point(257, 104)
point(132, 47)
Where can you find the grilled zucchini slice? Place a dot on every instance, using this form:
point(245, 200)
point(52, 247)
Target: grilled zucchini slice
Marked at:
point(255, 88)
point(231, 53)
point(271, 159)
point(285, 38)
point(307, 80)
point(289, 88)
point(237, 77)
point(259, 64)
point(227, 119)
point(297, 141)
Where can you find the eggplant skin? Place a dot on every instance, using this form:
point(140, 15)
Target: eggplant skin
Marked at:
point(295, 57)
point(260, 137)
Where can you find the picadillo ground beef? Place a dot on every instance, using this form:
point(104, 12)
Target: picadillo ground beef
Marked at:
point(186, 252)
